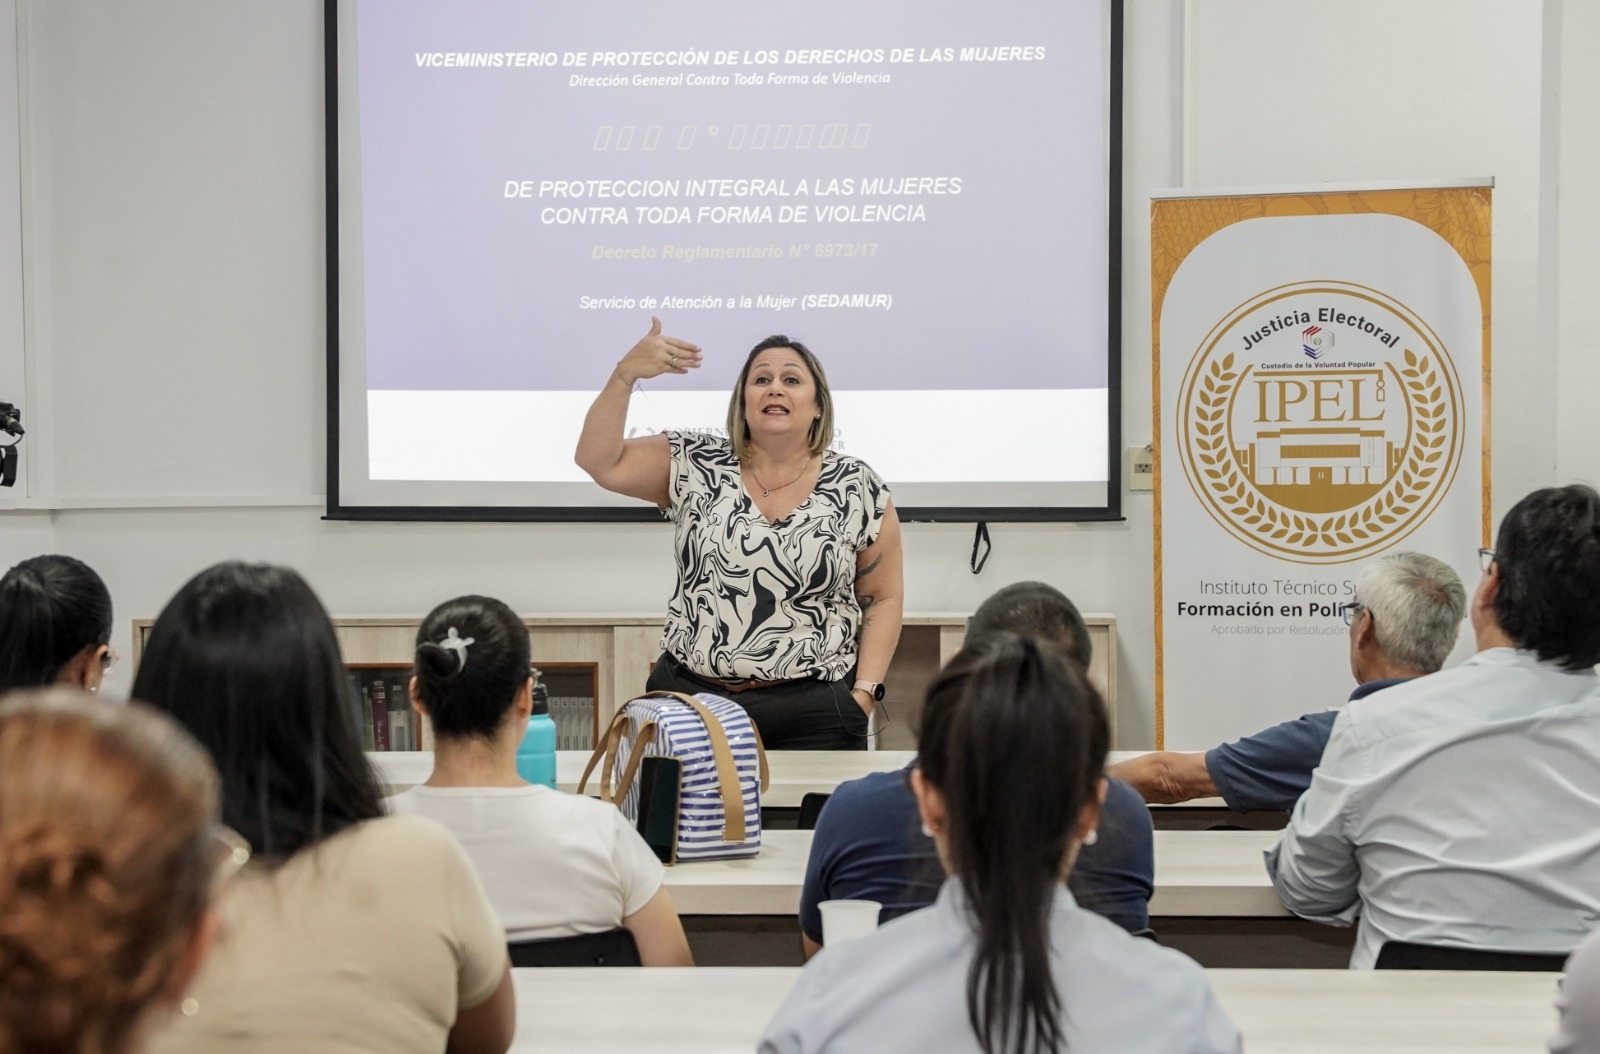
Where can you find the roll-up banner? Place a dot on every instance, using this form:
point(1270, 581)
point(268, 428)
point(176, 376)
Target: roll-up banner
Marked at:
point(1321, 365)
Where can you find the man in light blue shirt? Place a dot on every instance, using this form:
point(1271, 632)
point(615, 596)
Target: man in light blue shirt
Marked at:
point(1460, 810)
point(1404, 621)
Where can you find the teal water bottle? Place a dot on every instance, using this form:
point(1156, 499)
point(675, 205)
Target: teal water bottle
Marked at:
point(536, 757)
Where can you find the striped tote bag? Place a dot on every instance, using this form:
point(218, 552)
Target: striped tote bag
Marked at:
point(723, 765)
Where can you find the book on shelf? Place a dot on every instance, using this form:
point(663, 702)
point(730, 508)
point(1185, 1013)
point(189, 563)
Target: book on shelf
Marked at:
point(385, 719)
point(381, 705)
point(574, 718)
point(379, 717)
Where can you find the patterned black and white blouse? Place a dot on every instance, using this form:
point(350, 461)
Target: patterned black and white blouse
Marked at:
point(758, 600)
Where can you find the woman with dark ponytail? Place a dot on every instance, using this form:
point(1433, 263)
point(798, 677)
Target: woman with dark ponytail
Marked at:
point(55, 625)
point(1011, 758)
point(553, 864)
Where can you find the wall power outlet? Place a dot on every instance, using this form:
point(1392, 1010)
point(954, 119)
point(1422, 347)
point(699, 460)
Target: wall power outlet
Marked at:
point(1141, 468)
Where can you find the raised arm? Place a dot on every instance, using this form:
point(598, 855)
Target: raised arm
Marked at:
point(1165, 777)
point(638, 468)
point(880, 589)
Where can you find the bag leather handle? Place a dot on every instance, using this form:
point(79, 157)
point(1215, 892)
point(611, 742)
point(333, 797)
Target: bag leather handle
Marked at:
point(605, 755)
point(605, 749)
point(727, 771)
point(646, 736)
point(721, 752)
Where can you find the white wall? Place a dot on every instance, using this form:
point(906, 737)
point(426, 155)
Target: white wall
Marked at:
point(1577, 282)
point(12, 381)
point(176, 271)
point(1374, 89)
point(177, 145)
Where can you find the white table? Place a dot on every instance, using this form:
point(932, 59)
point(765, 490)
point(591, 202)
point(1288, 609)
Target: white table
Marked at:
point(795, 773)
point(709, 1011)
point(1198, 874)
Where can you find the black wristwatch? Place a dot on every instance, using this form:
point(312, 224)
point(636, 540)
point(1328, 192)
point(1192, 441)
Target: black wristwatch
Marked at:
point(872, 688)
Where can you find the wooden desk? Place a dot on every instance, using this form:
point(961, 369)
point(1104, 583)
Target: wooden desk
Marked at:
point(1278, 1011)
point(1198, 874)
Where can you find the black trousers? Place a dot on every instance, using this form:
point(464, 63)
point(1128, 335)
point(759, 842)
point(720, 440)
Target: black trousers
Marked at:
point(797, 715)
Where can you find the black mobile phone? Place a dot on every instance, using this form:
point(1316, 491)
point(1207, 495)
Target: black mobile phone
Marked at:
point(660, 783)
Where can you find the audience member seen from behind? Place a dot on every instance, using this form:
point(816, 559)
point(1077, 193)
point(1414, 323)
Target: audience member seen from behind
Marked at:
point(55, 625)
point(554, 864)
point(1459, 810)
point(109, 855)
point(1005, 960)
point(350, 931)
point(1404, 620)
point(1579, 1001)
point(869, 844)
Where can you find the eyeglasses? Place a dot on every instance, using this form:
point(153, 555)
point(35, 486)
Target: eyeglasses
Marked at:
point(1352, 611)
point(233, 852)
point(108, 659)
point(1485, 558)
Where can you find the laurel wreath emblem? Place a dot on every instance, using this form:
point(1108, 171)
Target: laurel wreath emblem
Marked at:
point(1213, 452)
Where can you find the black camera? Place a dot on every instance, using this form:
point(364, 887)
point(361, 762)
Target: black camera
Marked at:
point(11, 424)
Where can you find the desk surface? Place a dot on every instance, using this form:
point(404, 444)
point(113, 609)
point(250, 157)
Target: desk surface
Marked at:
point(795, 773)
point(1198, 873)
point(1278, 1011)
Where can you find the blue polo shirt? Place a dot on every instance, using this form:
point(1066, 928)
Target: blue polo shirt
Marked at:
point(1271, 769)
point(869, 845)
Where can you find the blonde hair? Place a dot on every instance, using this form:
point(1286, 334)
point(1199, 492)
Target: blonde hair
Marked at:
point(107, 817)
point(819, 436)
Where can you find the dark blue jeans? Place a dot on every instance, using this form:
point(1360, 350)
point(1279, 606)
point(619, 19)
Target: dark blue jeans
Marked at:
point(796, 715)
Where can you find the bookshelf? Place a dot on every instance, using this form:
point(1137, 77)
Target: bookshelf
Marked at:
point(605, 661)
point(381, 700)
point(574, 689)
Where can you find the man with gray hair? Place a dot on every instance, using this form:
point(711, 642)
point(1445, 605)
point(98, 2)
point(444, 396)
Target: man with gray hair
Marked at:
point(1404, 620)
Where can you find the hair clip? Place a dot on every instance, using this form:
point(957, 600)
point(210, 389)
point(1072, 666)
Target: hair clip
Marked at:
point(453, 641)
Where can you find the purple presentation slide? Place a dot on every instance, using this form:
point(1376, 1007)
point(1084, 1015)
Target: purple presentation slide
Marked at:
point(915, 190)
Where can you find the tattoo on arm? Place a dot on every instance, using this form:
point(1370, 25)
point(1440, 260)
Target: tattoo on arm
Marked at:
point(867, 599)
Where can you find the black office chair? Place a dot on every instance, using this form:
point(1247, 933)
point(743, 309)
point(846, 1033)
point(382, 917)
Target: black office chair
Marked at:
point(611, 948)
point(1401, 955)
point(810, 808)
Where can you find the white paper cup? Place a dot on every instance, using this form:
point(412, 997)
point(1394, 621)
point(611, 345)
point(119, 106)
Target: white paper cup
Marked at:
point(845, 920)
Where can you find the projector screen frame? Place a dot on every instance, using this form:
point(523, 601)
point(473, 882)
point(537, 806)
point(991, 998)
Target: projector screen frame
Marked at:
point(1112, 511)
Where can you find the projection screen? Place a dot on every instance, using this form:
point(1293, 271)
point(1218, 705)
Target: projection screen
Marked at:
point(924, 193)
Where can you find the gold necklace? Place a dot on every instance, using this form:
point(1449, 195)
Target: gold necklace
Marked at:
point(766, 491)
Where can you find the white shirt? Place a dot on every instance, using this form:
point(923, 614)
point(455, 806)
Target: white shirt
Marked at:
point(904, 988)
point(1460, 809)
point(553, 864)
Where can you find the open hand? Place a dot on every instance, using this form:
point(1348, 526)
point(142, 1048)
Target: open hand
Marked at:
point(656, 354)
